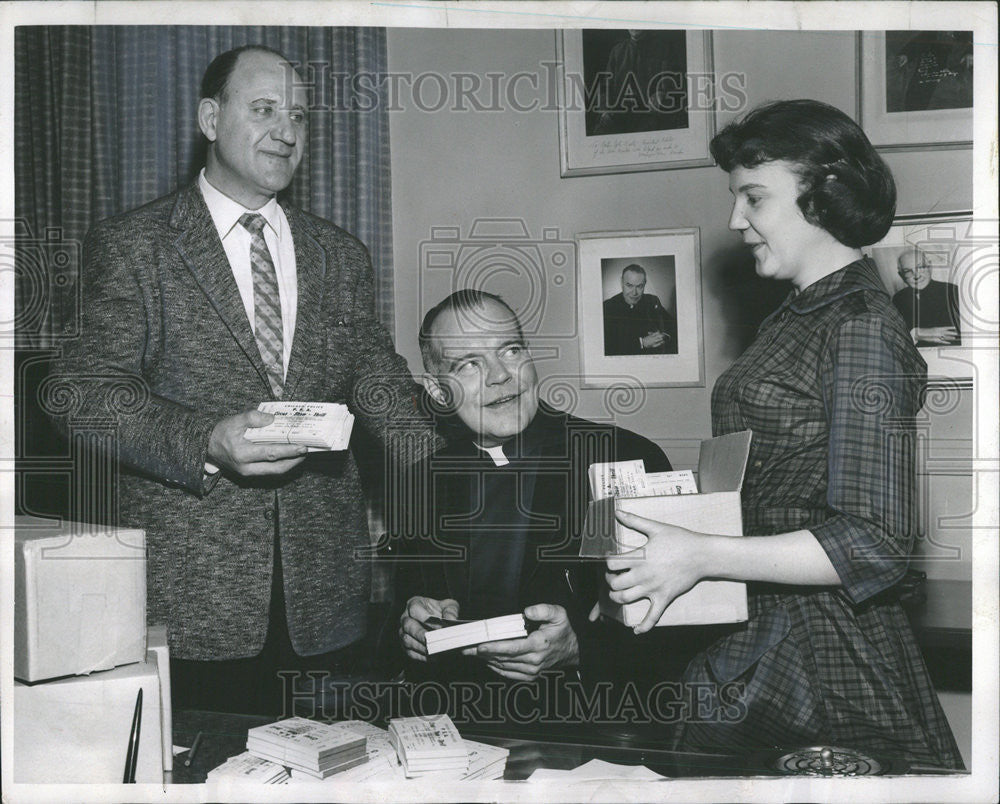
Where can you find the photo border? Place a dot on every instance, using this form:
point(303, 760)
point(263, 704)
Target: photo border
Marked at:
point(900, 131)
point(687, 367)
point(946, 365)
point(574, 142)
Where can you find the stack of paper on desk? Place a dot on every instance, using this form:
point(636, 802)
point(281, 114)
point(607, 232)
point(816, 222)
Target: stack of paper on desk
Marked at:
point(485, 761)
point(246, 767)
point(317, 425)
point(377, 742)
point(382, 766)
point(429, 745)
point(308, 747)
point(451, 634)
point(596, 770)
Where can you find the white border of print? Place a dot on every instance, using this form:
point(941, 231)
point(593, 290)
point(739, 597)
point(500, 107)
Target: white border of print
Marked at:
point(580, 155)
point(902, 131)
point(687, 367)
point(759, 18)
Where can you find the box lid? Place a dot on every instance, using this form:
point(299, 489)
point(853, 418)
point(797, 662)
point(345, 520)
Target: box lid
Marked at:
point(63, 539)
point(722, 462)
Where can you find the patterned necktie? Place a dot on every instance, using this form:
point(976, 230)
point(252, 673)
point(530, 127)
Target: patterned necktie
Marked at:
point(267, 305)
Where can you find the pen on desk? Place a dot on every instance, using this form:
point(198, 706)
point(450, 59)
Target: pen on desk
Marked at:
point(132, 754)
point(194, 747)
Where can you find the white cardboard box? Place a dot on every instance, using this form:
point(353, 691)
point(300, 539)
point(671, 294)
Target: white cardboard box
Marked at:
point(156, 643)
point(715, 509)
point(76, 729)
point(79, 598)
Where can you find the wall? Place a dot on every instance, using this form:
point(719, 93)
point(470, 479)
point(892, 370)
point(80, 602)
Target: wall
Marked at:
point(451, 168)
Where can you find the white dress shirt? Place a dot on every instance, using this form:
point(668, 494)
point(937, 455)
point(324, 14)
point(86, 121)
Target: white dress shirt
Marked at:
point(235, 239)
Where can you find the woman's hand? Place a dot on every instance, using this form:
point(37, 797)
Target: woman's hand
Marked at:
point(669, 564)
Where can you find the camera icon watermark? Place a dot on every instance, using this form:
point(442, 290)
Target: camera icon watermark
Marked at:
point(45, 269)
point(535, 275)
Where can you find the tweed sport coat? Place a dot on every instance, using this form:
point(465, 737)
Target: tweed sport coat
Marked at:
point(166, 351)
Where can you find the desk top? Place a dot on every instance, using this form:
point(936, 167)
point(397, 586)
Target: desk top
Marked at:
point(224, 735)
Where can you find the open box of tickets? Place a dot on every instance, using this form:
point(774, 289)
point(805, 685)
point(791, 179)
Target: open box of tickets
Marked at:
point(712, 507)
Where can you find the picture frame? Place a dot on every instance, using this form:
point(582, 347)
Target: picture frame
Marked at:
point(669, 302)
point(913, 87)
point(602, 128)
point(942, 246)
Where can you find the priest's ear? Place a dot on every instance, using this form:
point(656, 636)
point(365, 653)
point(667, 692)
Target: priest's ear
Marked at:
point(440, 394)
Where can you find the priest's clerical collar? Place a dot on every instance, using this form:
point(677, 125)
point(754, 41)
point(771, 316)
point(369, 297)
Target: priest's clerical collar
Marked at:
point(496, 453)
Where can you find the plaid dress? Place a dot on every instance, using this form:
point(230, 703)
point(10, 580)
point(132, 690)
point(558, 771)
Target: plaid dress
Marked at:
point(830, 388)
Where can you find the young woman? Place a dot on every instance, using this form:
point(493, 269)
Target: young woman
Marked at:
point(829, 388)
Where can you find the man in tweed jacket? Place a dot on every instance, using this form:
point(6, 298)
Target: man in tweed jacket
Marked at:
point(165, 315)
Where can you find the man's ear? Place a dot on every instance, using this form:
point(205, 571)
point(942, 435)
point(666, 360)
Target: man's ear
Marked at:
point(208, 117)
point(436, 390)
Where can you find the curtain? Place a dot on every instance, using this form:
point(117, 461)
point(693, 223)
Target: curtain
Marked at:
point(105, 121)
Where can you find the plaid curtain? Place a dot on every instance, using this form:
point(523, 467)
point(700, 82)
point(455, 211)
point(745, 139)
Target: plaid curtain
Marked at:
point(105, 120)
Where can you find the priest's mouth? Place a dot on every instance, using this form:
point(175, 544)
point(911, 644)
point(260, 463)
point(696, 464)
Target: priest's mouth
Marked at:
point(496, 403)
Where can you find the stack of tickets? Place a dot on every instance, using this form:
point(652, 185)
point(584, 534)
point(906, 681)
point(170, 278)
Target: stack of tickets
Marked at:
point(310, 749)
point(429, 745)
point(246, 767)
point(630, 479)
point(382, 765)
point(317, 425)
point(485, 761)
point(461, 634)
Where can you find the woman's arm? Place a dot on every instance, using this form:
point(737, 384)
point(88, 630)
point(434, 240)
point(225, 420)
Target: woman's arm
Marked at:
point(675, 559)
point(870, 381)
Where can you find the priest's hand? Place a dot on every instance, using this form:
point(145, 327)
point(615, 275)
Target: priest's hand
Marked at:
point(411, 623)
point(552, 644)
point(942, 335)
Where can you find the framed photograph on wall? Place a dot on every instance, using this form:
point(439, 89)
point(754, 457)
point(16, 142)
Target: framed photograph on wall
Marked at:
point(640, 308)
point(927, 263)
point(634, 100)
point(915, 89)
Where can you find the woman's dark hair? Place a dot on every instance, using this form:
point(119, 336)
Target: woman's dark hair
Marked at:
point(216, 77)
point(846, 187)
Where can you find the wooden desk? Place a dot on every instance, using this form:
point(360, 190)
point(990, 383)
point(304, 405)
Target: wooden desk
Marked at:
point(225, 735)
point(559, 747)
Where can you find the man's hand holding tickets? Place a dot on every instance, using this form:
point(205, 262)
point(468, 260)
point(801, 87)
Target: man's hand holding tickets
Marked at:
point(552, 644)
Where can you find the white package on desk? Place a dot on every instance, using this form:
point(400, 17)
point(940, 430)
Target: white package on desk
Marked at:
point(156, 642)
point(79, 598)
point(77, 729)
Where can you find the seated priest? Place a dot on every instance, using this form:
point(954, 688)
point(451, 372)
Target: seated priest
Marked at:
point(490, 524)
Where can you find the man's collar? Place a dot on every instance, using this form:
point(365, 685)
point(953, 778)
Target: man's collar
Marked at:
point(226, 212)
point(548, 424)
point(860, 275)
point(496, 453)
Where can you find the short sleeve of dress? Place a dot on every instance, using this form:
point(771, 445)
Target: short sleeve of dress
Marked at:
point(872, 381)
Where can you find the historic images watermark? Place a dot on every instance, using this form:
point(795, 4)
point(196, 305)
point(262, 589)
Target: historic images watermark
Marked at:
point(524, 91)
